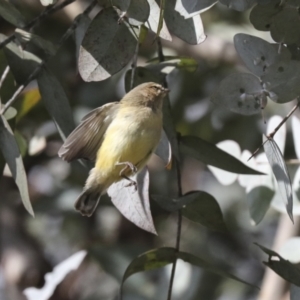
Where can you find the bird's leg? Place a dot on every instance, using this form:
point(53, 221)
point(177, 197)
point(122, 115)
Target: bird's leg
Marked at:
point(133, 169)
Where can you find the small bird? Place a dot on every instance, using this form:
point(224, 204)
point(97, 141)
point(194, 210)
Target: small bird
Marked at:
point(120, 137)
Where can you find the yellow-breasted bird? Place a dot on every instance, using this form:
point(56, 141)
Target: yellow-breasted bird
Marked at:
point(120, 137)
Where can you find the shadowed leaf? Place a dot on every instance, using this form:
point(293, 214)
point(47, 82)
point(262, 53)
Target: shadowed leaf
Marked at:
point(279, 168)
point(163, 150)
point(294, 292)
point(106, 47)
point(56, 102)
point(134, 204)
point(9, 12)
point(188, 8)
point(204, 210)
point(211, 155)
point(11, 153)
point(282, 267)
point(239, 5)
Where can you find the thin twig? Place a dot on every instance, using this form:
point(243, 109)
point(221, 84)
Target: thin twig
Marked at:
point(179, 222)
point(134, 63)
point(4, 75)
point(160, 53)
point(49, 10)
point(38, 69)
point(271, 135)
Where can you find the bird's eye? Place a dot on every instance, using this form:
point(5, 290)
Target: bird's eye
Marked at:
point(156, 87)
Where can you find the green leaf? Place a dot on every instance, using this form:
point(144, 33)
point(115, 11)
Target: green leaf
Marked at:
point(204, 210)
point(194, 7)
point(280, 171)
point(134, 204)
point(211, 155)
point(22, 63)
point(164, 150)
point(180, 62)
point(241, 93)
point(106, 47)
point(189, 30)
point(11, 153)
point(161, 257)
point(22, 143)
point(258, 200)
point(56, 102)
point(282, 267)
point(9, 13)
point(10, 113)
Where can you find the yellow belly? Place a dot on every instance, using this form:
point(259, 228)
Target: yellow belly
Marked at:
point(131, 137)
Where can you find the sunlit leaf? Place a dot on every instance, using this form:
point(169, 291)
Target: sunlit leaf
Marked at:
point(296, 130)
point(10, 13)
point(134, 204)
point(282, 267)
point(211, 155)
point(189, 8)
point(153, 21)
point(28, 100)
point(106, 47)
point(204, 210)
point(279, 168)
point(48, 2)
point(21, 62)
point(25, 37)
point(56, 102)
point(189, 30)
point(81, 28)
point(161, 257)
point(289, 250)
point(258, 201)
point(241, 93)
point(11, 153)
point(53, 279)
point(10, 113)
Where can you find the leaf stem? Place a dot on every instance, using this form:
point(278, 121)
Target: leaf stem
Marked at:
point(134, 62)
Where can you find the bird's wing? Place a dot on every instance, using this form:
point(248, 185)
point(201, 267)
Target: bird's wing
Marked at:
point(87, 137)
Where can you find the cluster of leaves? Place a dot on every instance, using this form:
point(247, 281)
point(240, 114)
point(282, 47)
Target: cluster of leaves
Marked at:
point(106, 44)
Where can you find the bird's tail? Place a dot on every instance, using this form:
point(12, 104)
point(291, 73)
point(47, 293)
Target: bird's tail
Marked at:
point(87, 202)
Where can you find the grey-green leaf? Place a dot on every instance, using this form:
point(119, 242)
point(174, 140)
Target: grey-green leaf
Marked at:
point(204, 210)
point(282, 267)
point(11, 154)
point(106, 48)
point(281, 80)
point(211, 155)
point(294, 292)
point(280, 171)
point(189, 30)
point(134, 204)
point(256, 53)
point(10, 13)
point(258, 201)
point(164, 150)
point(193, 6)
point(158, 258)
point(241, 93)
point(56, 102)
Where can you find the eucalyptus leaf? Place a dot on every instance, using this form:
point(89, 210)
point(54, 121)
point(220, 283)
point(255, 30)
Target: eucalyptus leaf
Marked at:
point(241, 93)
point(282, 267)
point(48, 2)
point(280, 171)
point(153, 20)
point(134, 204)
point(11, 14)
point(281, 80)
point(188, 8)
point(204, 210)
point(164, 150)
point(187, 63)
point(211, 155)
point(106, 47)
point(257, 53)
point(239, 5)
point(294, 292)
point(158, 258)
point(10, 113)
point(189, 30)
point(258, 201)
point(56, 102)
point(11, 154)
point(22, 63)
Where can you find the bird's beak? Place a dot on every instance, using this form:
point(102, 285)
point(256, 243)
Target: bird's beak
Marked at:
point(166, 91)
